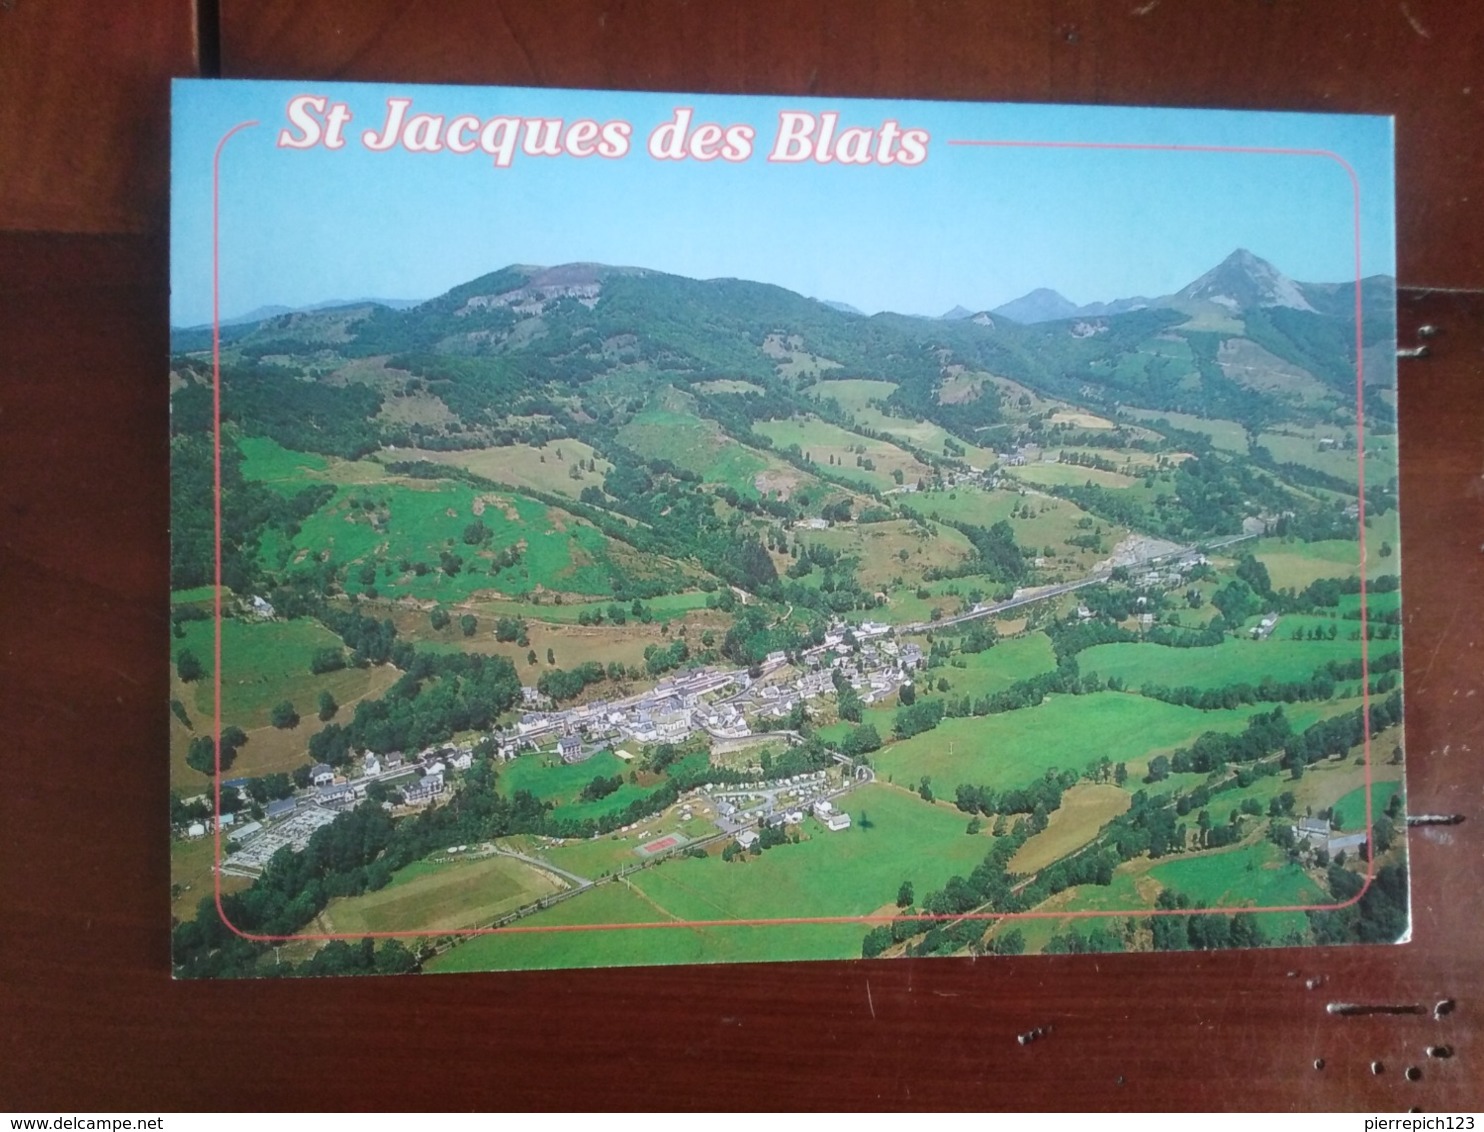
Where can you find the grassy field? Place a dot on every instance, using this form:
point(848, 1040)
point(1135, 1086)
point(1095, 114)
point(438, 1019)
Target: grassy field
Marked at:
point(1293, 445)
point(1224, 434)
point(1234, 661)
point(445, 897)
point(280, 468)
point(192, 876)
point(1084, 810)
point(263, 662)
point(1249, 876)
point(822, 443)
point(1064, 733)
point(617, 903)
point(1050, 522)
point(878, 547)
point(853, 394)
point(1294, 563)
point(402, 527)
point(895, 836)
point(669, 429)
point(994, 670)
point(558, 466)
point(1064, 475)
point(1349, 811)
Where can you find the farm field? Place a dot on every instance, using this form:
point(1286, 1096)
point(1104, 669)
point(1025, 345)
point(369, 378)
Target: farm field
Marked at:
point(822, 443)
point(1084, 810)
point(558, 466)
point(1349, 811)
point(1224, 434)
point(445, 897)
point(618, 903)
point(1063, 733)
point(852, 394)
point(1051, 522)
point(192, 876)
point(1234, 661)
point(402, 529)
point(894, 836)
point(1297, 564)
point(995, 669)
point(1066, 475)
point(878, 546)
point(1247, 876)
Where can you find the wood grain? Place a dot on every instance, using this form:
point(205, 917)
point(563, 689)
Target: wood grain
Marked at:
point(85, 112)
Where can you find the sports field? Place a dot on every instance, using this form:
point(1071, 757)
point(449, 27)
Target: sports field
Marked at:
point(459, 894)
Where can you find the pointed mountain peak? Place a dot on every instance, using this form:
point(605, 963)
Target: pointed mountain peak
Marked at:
point(956, 313)
point(1243, 281)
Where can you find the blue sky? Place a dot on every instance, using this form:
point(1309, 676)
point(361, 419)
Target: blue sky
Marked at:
point(968, 226)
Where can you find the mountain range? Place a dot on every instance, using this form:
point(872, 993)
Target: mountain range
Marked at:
point(1241, 282)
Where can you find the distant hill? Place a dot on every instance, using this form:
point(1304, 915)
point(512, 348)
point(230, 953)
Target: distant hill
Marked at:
point(1240, 283)
point(1041, 305)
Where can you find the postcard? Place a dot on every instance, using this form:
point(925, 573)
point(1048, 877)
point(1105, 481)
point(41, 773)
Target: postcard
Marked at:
point(619, 528)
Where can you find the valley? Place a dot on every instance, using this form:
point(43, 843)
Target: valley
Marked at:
point(589, 595)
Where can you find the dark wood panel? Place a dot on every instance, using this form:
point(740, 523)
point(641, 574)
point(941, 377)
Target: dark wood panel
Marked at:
point(1418, 61)
point(95, 1021)
point(85, 112)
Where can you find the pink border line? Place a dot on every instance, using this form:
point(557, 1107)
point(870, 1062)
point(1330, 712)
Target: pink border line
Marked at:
point(517, 929)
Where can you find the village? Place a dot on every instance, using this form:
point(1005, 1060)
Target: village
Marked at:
point(731, 707)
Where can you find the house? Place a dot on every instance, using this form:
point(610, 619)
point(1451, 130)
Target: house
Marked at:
point(1313, 830)
point(570, 748)
point(371, 765)
point(336, 796)
point(836, 822)
point(424, 790)
point(823, 809)
point(747, 838)
point(261, 606)
point(321, 774)
point(461, 761)
point(393, 761)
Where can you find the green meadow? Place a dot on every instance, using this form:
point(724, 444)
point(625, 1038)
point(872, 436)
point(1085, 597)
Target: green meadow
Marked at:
point(894, 836)
point(1063, 733)
point(1234, 661)
point(615, 903)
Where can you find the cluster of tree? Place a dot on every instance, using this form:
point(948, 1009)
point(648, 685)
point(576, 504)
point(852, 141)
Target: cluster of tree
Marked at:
point(567, 684)
point(1044, 794)
point(659, 659)
point(600, 787)
point(201, 754)
point(1186, 925)
point(915, 718)
point(509, 629)
point(370, 641)
point(1379, 915)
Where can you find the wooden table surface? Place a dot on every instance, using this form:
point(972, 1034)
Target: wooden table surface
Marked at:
point(91, 1019)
